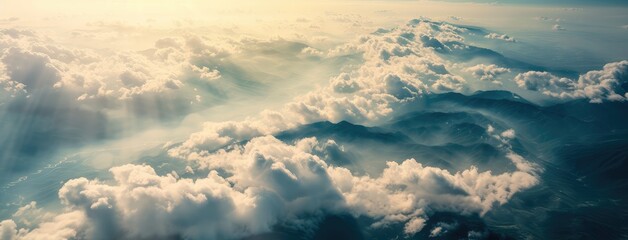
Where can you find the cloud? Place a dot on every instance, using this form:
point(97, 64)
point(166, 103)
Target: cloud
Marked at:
point(310, 51)
point(9, 19)
point(60, 227)
point(473, 235)
point(215, 135)
point(502, 37)
point(113, 80)
point(33, 70)
point(8, 230)
point(30, 215)
point(36, 67)
point(344, 84)
point(455, 18)
point(509, 134)
point(92, 94)
point(398, 67)
point(487, 72)
point(267, 182)
point(256, 181)
point(549, 19)
point(407, 192)
point(557, 27)
point(252, 187)
point(607, 84)
point(442, 228)
point(205, 73)
point(573, 9)
point(63, 226)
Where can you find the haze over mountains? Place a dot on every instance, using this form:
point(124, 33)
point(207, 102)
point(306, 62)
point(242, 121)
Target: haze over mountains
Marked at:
point(346, 121)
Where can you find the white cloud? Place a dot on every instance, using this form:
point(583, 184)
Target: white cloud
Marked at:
point(219, 134)
point(263, 183)
point(455, 18)
point(502, 37)
point(549, 19)
point(487, 72)
point(344, 84)
point(597, 86)
point(266, 181)
point(206, 73)
point(33, 70)
point(436, 231)
point(490, 129)
point(399, 66)
point(442, 228)
point(8, 230)
point(30, 215)
point(310, 51)
point(64, 226)
point(406, 192)
point(509, 134)
point(73, 95)
point(35, 64)
point(557, 27)
point(61, 227)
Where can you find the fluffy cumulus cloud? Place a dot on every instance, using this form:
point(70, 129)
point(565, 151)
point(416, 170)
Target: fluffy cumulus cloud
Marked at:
point(32, 65)
point(409, 192)
point(72, 96)
point(487, 72)
point(502, 37)
point(239, 180)
point(215, 135)
point(406, 192)
point(8, 230)
point(442, 228)
point(399, 66)
point(509, 134)
point(255, 181)
point(266, 182)
point(608, 84)
point(67, 225)
point(252, 187)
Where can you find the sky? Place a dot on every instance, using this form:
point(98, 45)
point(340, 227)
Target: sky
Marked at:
point(555, 2)
point(232, 119)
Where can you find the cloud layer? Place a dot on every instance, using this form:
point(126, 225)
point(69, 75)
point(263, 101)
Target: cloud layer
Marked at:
point(608, 84)
point(239, 179)
point(265, 182)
